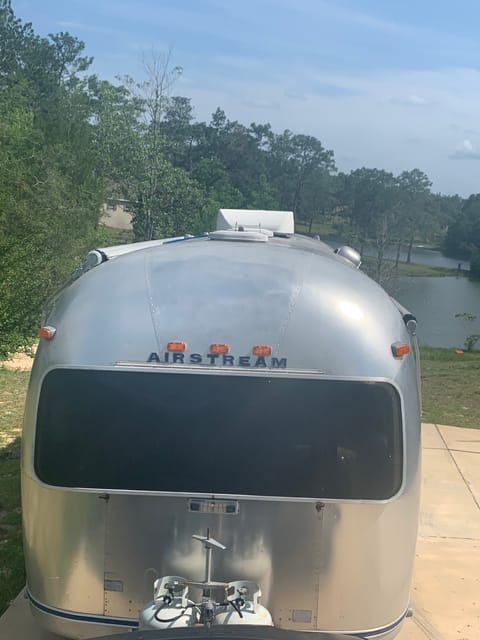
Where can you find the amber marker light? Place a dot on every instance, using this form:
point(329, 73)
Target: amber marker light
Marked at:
point(177, 346)
point(46, 333)
point(399, 349)
point(262, 350)
point(219, 348)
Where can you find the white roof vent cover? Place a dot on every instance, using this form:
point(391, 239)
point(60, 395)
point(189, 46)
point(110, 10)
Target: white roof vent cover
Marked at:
point(238, 236)
point(279, 222)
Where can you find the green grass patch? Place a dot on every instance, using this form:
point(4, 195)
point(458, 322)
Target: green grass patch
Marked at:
point(13, 387)
point(322, 229)
point(407, 269)
point(450, 387)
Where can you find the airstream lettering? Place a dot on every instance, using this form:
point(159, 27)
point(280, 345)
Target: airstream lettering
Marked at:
point(215, 359)
point(265, 471)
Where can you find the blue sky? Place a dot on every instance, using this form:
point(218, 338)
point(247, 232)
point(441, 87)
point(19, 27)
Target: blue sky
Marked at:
point(389, 84)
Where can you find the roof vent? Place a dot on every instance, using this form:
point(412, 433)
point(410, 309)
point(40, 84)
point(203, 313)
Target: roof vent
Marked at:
point(239, 235)
point(349, 254)
point(278, 222)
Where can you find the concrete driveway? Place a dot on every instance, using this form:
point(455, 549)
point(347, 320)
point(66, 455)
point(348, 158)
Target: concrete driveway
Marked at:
point(446, 587)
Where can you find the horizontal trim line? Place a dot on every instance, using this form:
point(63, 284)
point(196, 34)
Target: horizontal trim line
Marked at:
point(132, 623)
point(378, 632)
point(83, 617)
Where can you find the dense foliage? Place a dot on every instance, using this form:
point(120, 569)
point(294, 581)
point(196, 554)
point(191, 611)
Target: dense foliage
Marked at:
point(69, 141)
point(49, 194)
point(463, 234)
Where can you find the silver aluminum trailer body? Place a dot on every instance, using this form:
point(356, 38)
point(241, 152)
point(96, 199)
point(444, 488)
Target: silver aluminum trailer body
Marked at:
point(170, 443)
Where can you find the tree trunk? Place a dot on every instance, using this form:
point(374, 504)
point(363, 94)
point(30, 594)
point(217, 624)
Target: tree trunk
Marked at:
point(296, 196)
point(378, 272)
point(397, 258)
point(382, 237)
point(310, 227)
point(190, 162)
point(410, 245)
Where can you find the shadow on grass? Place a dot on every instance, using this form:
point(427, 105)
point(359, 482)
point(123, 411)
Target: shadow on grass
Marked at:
point(12, 569)
point(11, 451)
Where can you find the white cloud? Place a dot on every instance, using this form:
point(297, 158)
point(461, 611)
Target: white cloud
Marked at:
point(413, 100)
point(418, 100)
point(465, 151)
point(328, 10)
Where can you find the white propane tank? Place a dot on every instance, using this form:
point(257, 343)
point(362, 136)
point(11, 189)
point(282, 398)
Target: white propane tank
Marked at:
point(245, 594)
point(170, 607)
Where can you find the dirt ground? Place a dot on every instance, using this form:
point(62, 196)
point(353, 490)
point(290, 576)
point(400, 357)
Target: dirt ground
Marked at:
point(19, 361)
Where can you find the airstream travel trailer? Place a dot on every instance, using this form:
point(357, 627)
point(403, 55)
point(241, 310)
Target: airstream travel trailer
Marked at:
point(233, 418)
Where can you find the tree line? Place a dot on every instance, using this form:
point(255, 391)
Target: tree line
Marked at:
point(70, 140)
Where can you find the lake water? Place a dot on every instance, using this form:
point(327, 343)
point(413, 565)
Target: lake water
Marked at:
point(419, 255)
point(434, 302)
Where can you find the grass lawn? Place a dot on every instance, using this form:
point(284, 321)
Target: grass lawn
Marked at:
point(13, 387)
point(450, 396)
point(450, 387)
point(323, 229)
point(407, 269)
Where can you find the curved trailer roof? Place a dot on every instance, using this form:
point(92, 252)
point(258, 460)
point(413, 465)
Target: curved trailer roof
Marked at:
point(293, 293)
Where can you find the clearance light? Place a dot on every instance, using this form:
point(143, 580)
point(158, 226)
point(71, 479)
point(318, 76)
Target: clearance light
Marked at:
point(47, 332)
point(262, 350)
point(399, 349)
point(219, 348)
point(177, 346)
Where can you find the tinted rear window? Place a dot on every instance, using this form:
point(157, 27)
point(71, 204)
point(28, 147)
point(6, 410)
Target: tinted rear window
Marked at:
point(219, 434)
